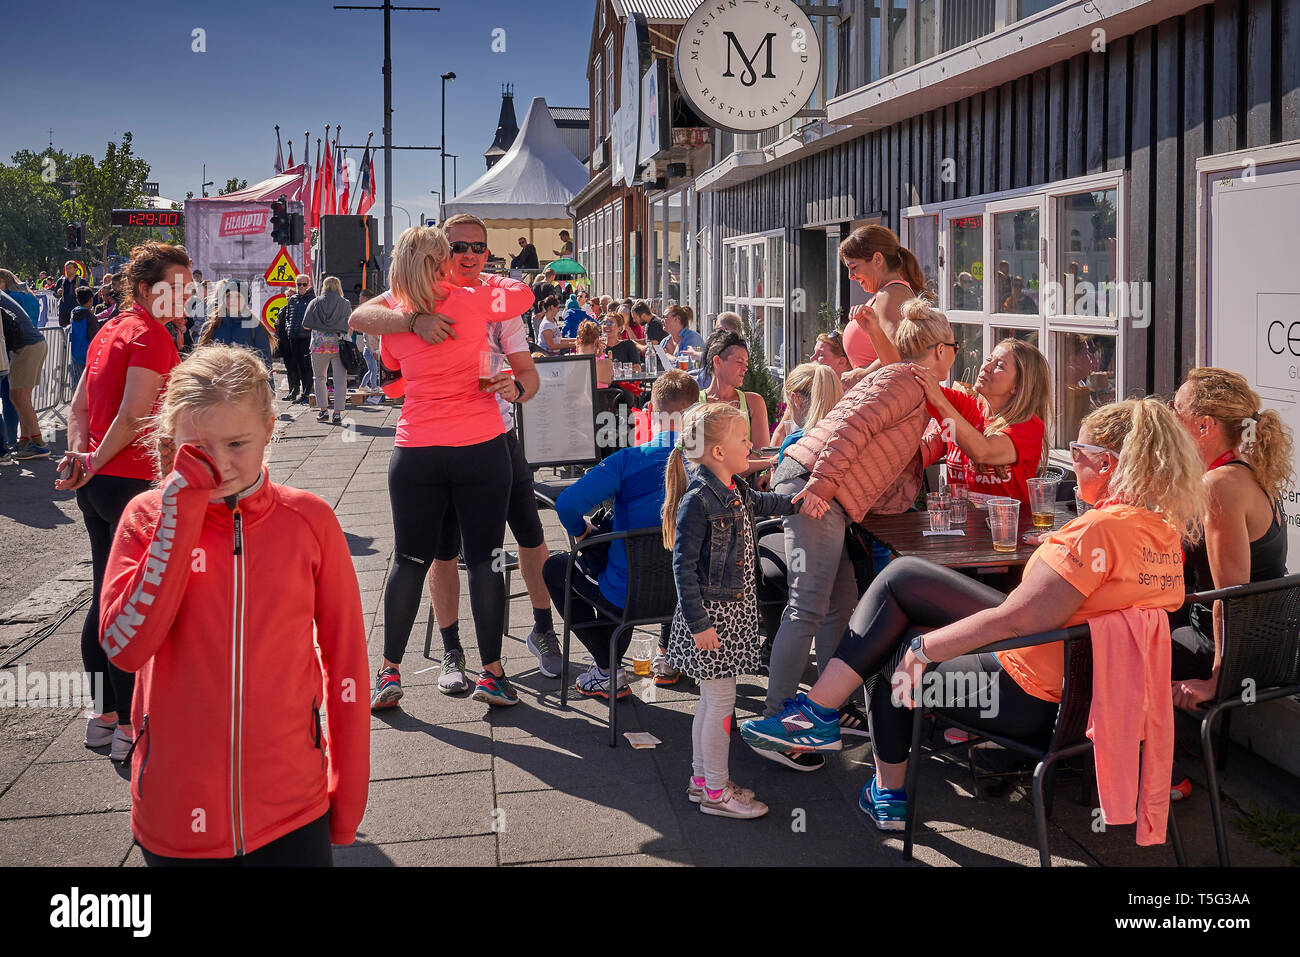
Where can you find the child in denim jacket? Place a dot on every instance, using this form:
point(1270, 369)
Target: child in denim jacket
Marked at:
point(714, 637)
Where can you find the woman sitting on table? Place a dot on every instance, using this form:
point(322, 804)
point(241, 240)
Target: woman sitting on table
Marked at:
point(548, 330)
point(1247, 455)
point(589, 344)
point(1134, 460)
point(997, 437)
point(861, 457)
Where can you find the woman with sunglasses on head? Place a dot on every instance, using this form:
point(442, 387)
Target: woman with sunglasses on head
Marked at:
point(829, 351)
point(860, 457)
point(1246, 450)
point(451, 451)
point(1135, 461)
point(994, 440)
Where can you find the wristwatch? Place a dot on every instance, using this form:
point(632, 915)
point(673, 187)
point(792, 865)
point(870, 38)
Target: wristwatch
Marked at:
point(519, 392)
point(918, 649)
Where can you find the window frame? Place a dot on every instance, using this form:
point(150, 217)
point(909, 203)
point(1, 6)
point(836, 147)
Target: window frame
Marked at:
point(1046, 196)
point(744, 245)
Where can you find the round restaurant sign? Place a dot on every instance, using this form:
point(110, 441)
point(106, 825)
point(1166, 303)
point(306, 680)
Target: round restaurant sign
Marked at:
point(747, 65)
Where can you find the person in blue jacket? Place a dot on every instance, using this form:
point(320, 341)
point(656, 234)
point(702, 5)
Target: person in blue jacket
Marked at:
point(574, 315)
point(230, 321)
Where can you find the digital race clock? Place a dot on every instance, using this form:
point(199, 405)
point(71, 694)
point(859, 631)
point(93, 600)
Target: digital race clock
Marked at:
point(161, 218)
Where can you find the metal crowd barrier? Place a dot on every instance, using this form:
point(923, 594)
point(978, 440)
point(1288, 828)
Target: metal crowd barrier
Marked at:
point(56, 386)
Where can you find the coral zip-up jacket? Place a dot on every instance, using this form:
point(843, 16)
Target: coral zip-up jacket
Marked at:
point(213, 606)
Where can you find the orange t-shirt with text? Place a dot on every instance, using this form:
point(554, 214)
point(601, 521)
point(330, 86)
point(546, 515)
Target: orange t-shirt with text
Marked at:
point(1118, 556)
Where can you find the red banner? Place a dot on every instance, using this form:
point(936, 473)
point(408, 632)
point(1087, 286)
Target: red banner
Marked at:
point(243, 222)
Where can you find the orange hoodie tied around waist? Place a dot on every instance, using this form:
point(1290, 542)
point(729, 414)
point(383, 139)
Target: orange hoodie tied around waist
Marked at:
point(1131, 721)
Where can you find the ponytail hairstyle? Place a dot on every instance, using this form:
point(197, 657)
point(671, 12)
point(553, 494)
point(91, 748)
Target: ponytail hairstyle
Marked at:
point(1257, 433)
point(1033, 392)
point(212, 375)
point(865, 241)
point(421, 257)
point(1159, 467)
point(703, 427)
point(818, 386)
point(921, 327)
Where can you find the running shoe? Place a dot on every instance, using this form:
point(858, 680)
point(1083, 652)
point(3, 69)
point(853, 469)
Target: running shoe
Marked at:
point(594, 683)
point(30, 449)
point(888, 809)
point(546, 647)
point(6, 458)
point(664, 673)
point(99, 733)
point(291, 397)
point(795, 728)
point(494, 690)
point(795, 760)
point(956, 736)
point(121, 749)
point(336, 419)
point(323, 416)
point(388, 690)
point(853, 721)
point(735, 802)
point(452, 680)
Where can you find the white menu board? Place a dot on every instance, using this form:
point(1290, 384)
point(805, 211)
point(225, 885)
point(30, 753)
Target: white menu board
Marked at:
point(558, 425)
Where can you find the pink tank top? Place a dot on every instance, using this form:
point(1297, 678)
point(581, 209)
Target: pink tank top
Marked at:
point(857, 344)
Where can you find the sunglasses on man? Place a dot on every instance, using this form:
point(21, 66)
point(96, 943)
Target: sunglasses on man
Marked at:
point(459, 247)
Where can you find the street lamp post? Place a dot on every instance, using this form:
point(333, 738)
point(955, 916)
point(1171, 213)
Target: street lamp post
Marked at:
point(442, 154)
point(408, 215)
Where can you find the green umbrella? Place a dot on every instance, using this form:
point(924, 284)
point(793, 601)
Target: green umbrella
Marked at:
point(567, 267)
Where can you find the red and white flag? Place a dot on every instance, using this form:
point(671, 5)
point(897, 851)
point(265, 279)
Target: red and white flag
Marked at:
point(340, 181)
point(366, 185)
point(316, 197)
point(347, 185)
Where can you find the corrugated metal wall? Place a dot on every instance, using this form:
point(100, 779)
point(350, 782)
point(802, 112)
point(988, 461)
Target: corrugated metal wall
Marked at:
point(1226, 76)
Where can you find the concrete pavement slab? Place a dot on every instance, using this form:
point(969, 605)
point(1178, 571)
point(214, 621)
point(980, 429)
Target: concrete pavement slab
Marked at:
point(69, 840)
point(477, 851)
point(452, 805)
point(79, 787)
point(437, 749)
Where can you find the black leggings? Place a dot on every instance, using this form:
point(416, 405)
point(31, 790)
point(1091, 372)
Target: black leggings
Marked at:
point(582, 608)
point(912, 594)
point(308, 846)
point(521, 510)
point(102, 501)
point(423, 483)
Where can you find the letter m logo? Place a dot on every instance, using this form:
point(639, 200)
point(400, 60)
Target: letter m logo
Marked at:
point(749, 77)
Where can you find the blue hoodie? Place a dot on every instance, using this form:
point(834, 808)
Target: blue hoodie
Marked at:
point(574, 316)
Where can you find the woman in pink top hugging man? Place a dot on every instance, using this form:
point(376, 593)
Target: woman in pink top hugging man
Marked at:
point(450, 449)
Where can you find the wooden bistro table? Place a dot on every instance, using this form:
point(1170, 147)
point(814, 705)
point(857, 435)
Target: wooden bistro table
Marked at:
point(973, 552)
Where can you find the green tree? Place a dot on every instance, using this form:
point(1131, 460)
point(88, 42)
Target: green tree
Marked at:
point(233, 185)
point(757, 378)
point(115, 182)
point(31, 229)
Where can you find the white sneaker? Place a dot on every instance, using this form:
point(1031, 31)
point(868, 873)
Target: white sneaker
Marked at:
point(121, 749)
point(99, 733)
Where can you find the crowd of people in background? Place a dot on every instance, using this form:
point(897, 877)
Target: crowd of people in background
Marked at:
point(174, 406)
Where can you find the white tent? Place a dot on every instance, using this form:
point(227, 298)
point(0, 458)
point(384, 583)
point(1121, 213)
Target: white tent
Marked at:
point(536, 178)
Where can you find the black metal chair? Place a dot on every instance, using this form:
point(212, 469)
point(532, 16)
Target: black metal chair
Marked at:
point(651, 600)
point(615, 404)
point(1068, 738)
point(1261, 661)
point(773, 590)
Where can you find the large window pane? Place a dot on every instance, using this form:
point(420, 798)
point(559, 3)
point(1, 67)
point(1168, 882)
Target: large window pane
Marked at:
point(872, 40)
point(970, 351)
point(1027, 8)
point(1085, 379)
point(1086, 251)
point(966, 20)
point(758, 278)
point(897, 52)
point(1016, 248)
point(924, 242)
point(728, 270)
point(1024, 335)
point(673, 241)
point(776, 337)
point(775, 267)
point(742, 279)
point(966, 240)
point(657, 251)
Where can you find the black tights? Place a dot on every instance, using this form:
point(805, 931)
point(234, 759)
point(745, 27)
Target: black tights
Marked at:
point(308, 846)
point(102, 501)
point(913, 595)
point(422, 483)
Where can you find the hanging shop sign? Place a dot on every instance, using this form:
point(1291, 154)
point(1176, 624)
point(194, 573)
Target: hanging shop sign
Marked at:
point(747, 67)
point(656, 134)
point(636, 52)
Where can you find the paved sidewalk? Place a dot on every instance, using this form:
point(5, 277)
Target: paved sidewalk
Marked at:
point(453, 782)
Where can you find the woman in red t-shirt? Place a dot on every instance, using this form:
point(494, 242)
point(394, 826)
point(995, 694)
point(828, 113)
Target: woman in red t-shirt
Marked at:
point(108, 462)
point(997, 437)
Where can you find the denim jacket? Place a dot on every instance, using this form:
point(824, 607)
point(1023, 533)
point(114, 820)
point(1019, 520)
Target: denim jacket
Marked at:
point(709, 548)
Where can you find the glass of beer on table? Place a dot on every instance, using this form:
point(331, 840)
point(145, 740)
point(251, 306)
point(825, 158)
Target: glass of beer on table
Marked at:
point(1042, 501)
point(1004, 523)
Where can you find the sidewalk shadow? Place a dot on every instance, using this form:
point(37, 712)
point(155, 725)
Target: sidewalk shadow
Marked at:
point(360, 545)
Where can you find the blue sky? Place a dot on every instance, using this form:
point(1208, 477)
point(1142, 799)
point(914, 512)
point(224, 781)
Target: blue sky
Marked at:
point(105, 69)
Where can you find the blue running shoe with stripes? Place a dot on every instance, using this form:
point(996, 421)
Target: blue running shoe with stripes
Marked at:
point(888, 809)
point(796, 727)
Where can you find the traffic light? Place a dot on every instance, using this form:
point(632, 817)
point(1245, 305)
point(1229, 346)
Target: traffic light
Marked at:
point(295, 229)
point(280, 221)
point(73, 236)
point(81, 235)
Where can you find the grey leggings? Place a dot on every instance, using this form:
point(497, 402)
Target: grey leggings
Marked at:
point(711, 731)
